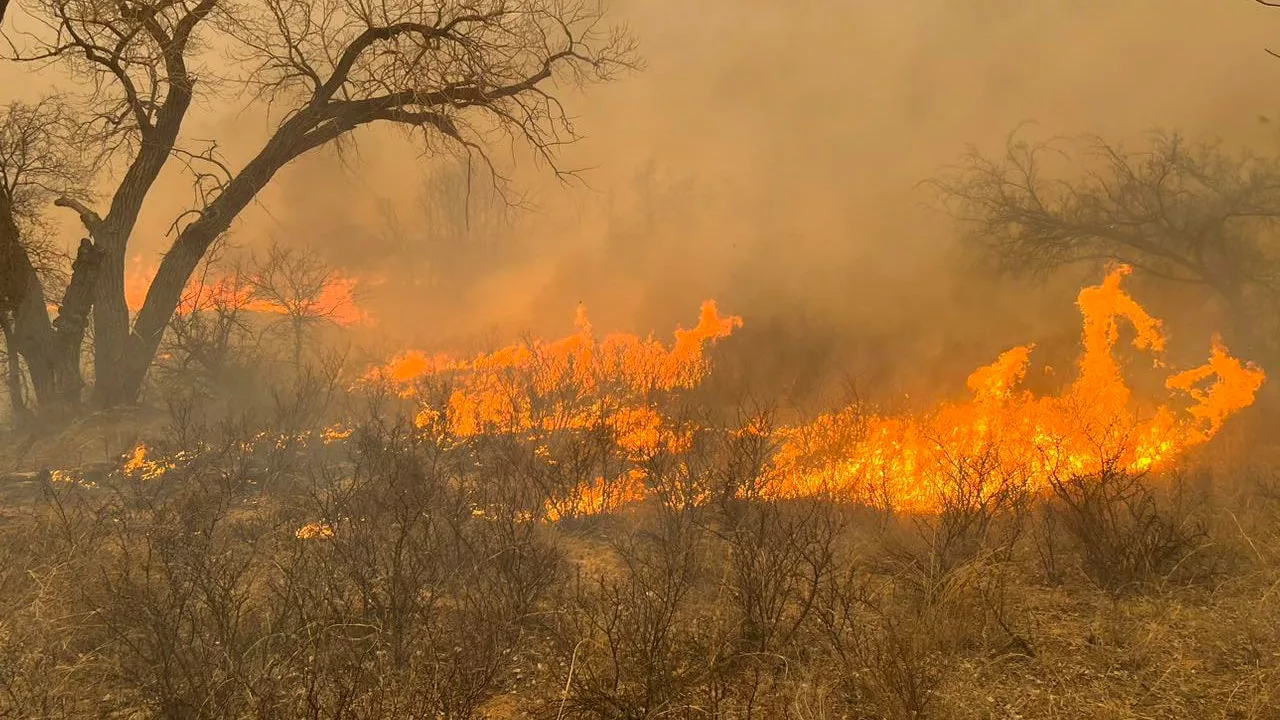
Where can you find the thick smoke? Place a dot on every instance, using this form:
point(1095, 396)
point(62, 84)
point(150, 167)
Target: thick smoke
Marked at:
point(769, 156)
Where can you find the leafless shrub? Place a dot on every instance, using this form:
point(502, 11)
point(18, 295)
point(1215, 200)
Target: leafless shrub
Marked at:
point(882, 659)
point(180, 589)
point(779, 556)
point(1126, 534)
point(981, 508)
point(745, 453)
point(210, 344)
point(950, 569)
point(437, 596)
point(629, 636)
point(301, 290)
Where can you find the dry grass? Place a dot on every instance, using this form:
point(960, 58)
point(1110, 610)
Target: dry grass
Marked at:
point(189, 596)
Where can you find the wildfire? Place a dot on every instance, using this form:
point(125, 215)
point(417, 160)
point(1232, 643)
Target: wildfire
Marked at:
point(599, 496)
point(571, 383)
point(578, 383)
point(1005, 435)
point(140, 465)
point(615, 389)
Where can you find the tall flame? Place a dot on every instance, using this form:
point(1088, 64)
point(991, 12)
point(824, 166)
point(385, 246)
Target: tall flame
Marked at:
point(1005, 432)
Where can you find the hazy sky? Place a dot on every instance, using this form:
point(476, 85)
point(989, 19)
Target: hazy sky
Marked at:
point(780, 146)
point(795, 135)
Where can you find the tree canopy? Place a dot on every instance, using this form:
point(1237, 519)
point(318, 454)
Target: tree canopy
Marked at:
point(1176, 210)
point(460, 75)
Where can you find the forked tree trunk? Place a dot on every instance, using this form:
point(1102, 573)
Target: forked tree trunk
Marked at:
point(52, 350)
point(111, 334)
point(49, 349)
point(121, 382)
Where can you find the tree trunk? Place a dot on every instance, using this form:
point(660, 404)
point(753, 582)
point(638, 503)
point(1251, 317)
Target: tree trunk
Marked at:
point(124, 384)
point(297, 344)
point(50, 350)
point(110, 324)
point(111, 235)
point(21, 412)
point(73, 318)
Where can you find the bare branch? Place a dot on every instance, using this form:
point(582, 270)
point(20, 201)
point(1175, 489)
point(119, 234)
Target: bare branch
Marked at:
point(92, 222)
point(1174, 210)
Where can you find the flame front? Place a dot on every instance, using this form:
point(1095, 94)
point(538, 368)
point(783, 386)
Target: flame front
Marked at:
point(578, 384)
point(1008, 435)
point(569, 383)
point(1003, 436)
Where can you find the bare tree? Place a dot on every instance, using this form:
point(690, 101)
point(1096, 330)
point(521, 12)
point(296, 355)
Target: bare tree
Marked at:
point(1178, 211)
point(300, 287)
point(460, 74)
point(458, 226)
point(37, 163)
point(210, 339)
point(461, 221)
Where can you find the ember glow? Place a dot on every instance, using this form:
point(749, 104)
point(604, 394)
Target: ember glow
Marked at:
point(1006, 435)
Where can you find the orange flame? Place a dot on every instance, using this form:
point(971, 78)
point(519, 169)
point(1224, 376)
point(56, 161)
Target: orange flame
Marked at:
point(568, 383)
point(1003, 436)
point(611, 385)
point(1010, 435)
point(141, 466)
point(315, 531)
